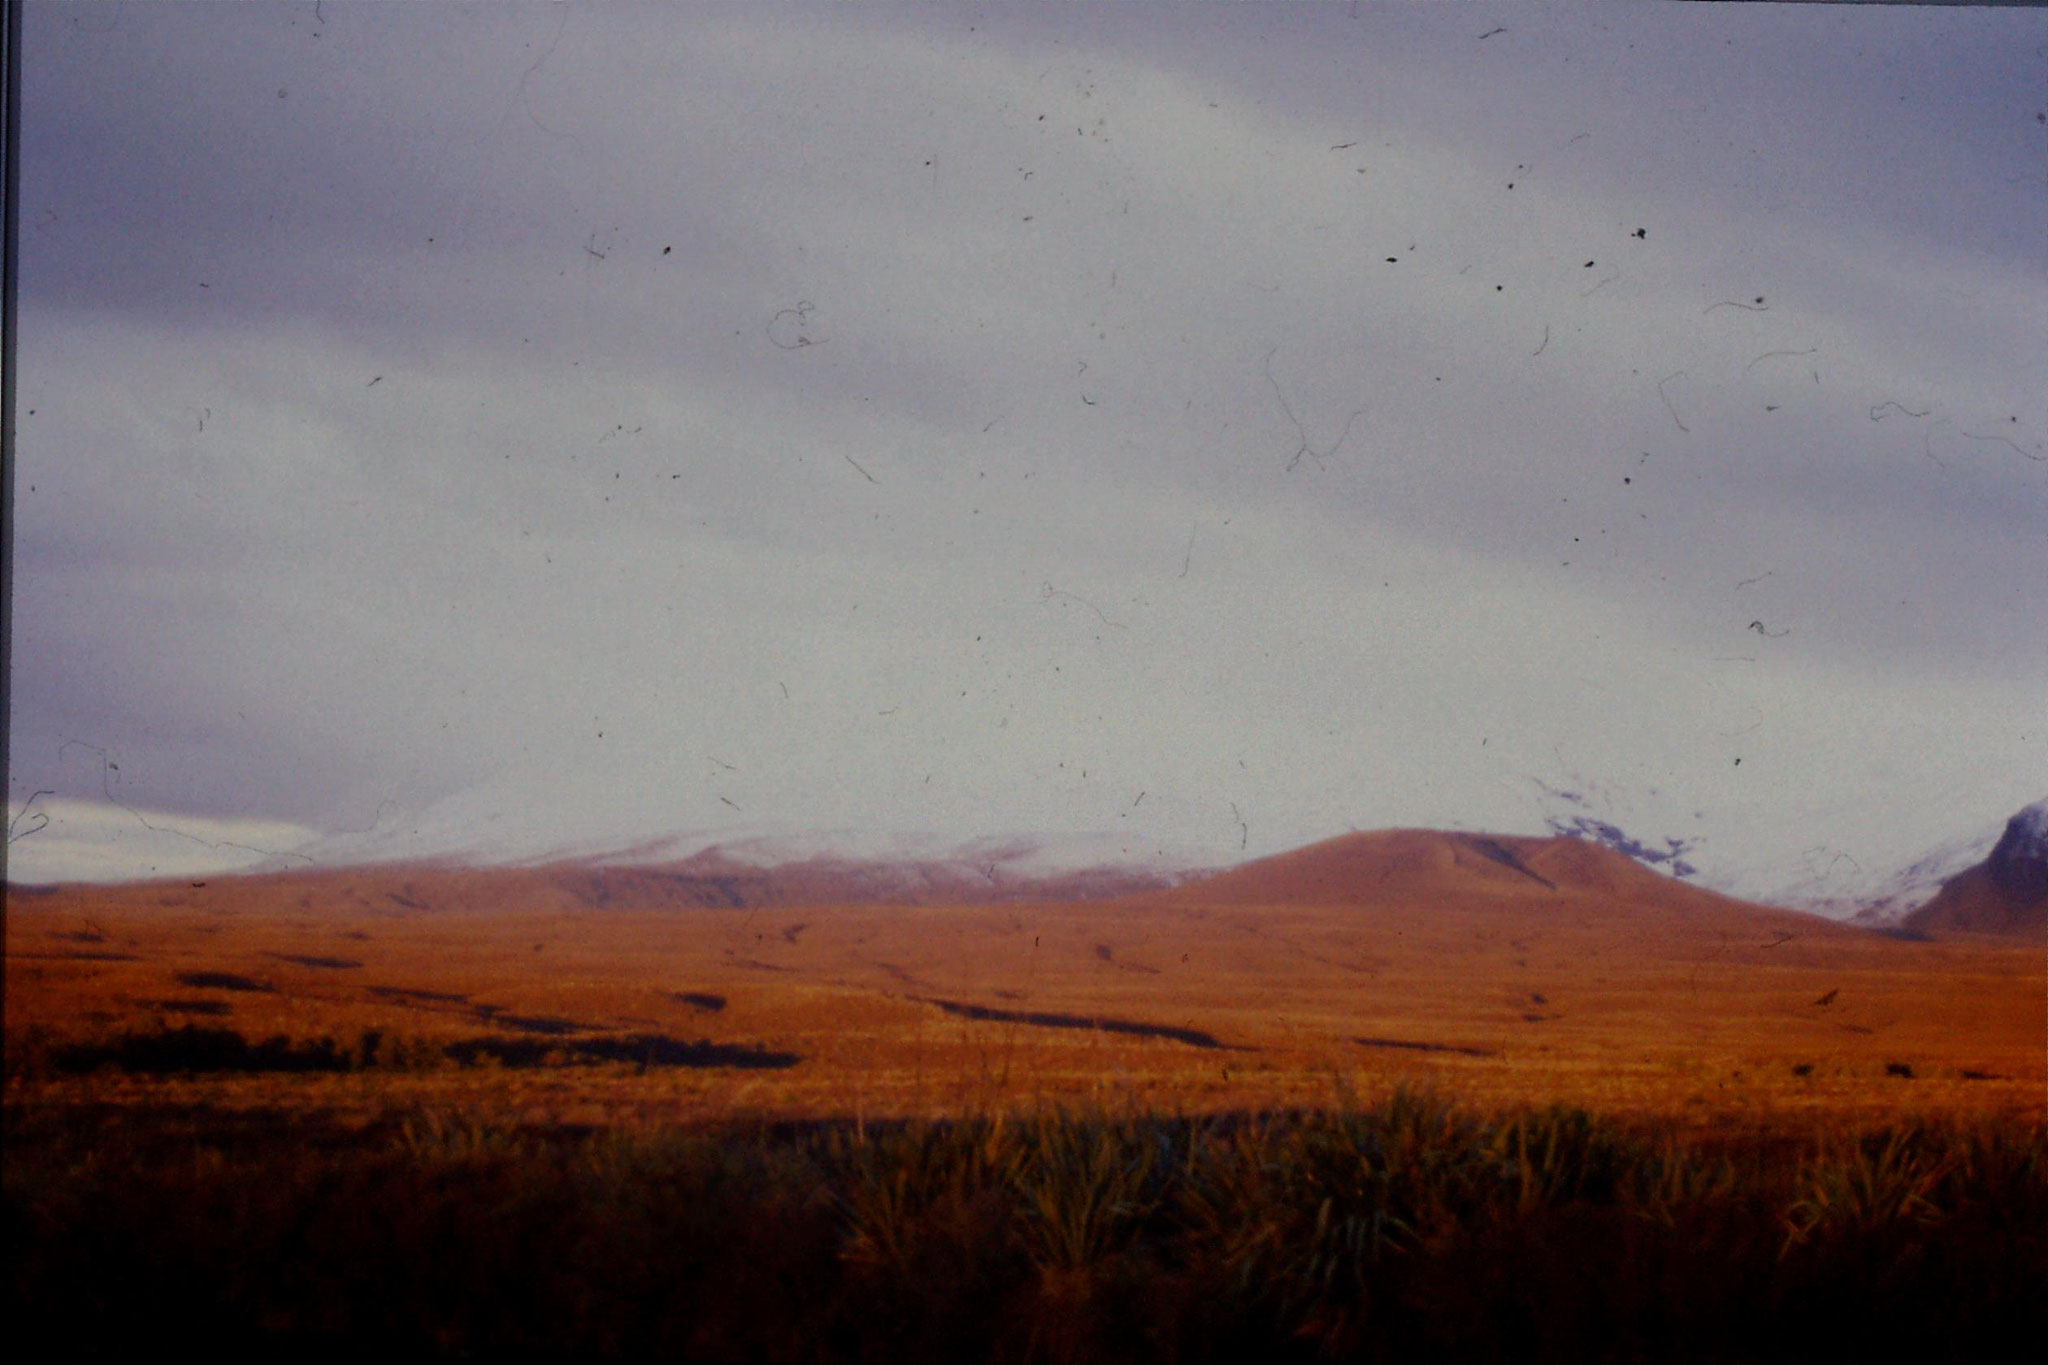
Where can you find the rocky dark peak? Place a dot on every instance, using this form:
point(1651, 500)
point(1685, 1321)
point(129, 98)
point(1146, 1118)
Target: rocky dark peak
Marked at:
point(2019, 862)
point(2007, 893)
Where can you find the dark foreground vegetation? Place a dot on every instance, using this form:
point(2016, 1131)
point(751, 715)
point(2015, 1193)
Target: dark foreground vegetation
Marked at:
point(1408, 1231)
point(190, 1050)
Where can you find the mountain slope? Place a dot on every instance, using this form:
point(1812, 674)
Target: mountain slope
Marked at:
point(1416, 869)
point(2006, 894)
point(710, 880)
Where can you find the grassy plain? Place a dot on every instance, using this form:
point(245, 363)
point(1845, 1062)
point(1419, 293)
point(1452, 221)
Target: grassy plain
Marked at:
point(1577, 978)
point(1396, 1096)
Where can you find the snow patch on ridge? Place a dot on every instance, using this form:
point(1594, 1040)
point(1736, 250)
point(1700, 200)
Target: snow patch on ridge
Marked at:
point(1842, 860)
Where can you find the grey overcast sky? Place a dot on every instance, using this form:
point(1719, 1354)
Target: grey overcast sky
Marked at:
point(514, 429)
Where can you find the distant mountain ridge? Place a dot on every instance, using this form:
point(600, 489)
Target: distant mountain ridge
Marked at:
point(1585, 869)
point(2006, 894)
point(715, 878)
point(1885, 902)
point(712, 879)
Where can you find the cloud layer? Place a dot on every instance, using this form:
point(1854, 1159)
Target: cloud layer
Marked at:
point(515, 428)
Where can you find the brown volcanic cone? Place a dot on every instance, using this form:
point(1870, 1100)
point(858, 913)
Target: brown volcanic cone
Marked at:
point(1411, 867)
point(2006, 894)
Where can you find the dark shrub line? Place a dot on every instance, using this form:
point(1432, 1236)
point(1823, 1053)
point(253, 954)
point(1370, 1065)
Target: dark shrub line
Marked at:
point(407, 993)
point(644, 1049)
point(338, 964)
point(222, 981)
point(195, 1049)
point(1098, 1023)
point(1427, 1047)
point(192, 1049)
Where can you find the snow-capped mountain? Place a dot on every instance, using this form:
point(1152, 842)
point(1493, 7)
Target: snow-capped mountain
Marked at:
point(1836, 861)
point(2006, 894)
point(2022, 853)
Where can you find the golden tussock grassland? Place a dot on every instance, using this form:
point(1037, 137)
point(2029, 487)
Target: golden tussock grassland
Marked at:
point(1484, 1098)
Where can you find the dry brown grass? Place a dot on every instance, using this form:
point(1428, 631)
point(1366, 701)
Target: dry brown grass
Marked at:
point(1590, 983)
